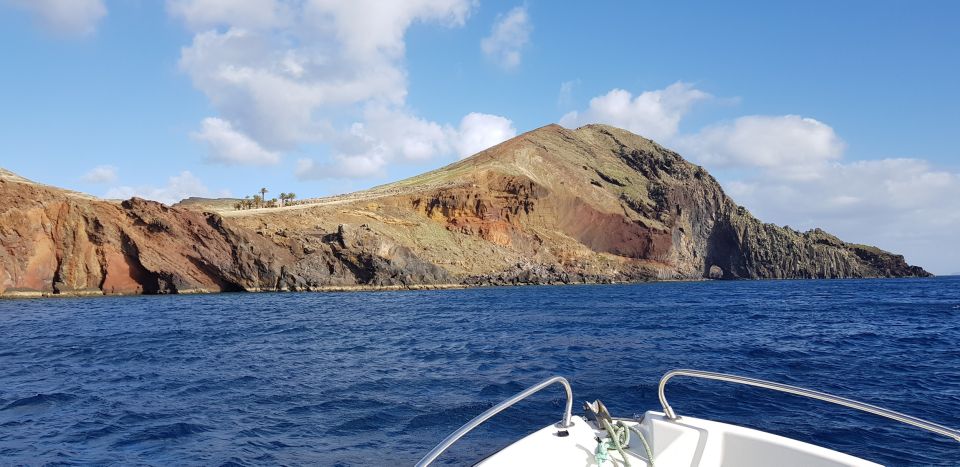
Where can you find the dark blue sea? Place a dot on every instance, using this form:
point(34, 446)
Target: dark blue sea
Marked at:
point(378, 378)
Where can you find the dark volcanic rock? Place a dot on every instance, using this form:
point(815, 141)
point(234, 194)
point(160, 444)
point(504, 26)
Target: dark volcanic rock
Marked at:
point(744, 247)
point(552, 206)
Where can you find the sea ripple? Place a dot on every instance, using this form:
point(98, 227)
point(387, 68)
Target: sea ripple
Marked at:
point(356, 378)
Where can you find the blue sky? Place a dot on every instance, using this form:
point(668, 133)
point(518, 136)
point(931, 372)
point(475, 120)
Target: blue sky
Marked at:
point(841, 115)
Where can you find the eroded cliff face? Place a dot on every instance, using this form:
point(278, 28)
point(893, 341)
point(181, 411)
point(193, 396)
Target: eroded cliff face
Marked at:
point(596, 204)
point(57, 242)
point(742, 247)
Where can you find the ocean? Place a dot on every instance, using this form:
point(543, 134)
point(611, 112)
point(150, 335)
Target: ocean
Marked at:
point(378, 378)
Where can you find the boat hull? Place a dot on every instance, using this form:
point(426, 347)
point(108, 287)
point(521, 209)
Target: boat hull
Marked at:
point(686, 442)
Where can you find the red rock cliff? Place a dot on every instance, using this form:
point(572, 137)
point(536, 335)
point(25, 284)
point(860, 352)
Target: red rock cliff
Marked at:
point(595, 204)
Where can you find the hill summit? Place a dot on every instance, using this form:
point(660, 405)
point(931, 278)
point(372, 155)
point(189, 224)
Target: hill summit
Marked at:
point(595, 204)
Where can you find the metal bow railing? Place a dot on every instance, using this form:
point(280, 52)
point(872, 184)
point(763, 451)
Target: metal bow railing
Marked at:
point(900, 417)
point(479, 419)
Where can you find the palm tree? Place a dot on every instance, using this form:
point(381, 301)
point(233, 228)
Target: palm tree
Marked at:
point(257, 200)
point(263, 193)
point(284, 197)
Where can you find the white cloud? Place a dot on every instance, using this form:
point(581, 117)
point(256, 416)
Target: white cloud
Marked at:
point(480, 131)
point(100, 174)
point(565, 96)
point(903, 205)
point(509, 35)
point(177, 188)
point(386, 136)
point(789, 145)
point(397, 134)
point(291, 73)
point(374, 30)
point(355, 166)
point(64, 17)
point(230, 147)
point(653, 114)
point(250, 14)
point(789, 169)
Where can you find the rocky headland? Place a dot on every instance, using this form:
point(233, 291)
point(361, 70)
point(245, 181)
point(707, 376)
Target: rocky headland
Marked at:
point(591, 205)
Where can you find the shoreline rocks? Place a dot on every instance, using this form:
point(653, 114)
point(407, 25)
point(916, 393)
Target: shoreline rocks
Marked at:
point(552, 206)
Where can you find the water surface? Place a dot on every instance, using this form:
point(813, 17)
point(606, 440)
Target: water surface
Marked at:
point(362, 378)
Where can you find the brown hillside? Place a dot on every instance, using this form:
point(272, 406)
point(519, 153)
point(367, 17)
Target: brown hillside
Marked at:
point(595, 204)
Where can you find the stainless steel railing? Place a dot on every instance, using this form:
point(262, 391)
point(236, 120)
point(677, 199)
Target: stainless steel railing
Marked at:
point(479, 419)
point(903, 418)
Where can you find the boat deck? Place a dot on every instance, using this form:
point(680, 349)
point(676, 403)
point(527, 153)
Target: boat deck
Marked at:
point(684, 442)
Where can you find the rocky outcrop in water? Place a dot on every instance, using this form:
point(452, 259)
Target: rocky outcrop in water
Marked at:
point(551, 206)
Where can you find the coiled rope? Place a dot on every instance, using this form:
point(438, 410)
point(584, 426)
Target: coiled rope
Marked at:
point(619, 436)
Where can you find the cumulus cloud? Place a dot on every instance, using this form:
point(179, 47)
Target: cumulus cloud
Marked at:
point(396, 134)
point(101, 174)
point(652, 114)
point(480, 131)
point(383, 136)
point(509, 35)
point(790, 169)
point(788, 145)
point(369, 147)
point(178, 187)
point(252, 14)
point(342, 166)
point(64, 17)
point(287, 74)
point(283, 71)
point(230, 147)
point(903, 205)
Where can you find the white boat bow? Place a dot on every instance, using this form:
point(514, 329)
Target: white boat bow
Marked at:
point(664, 439)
